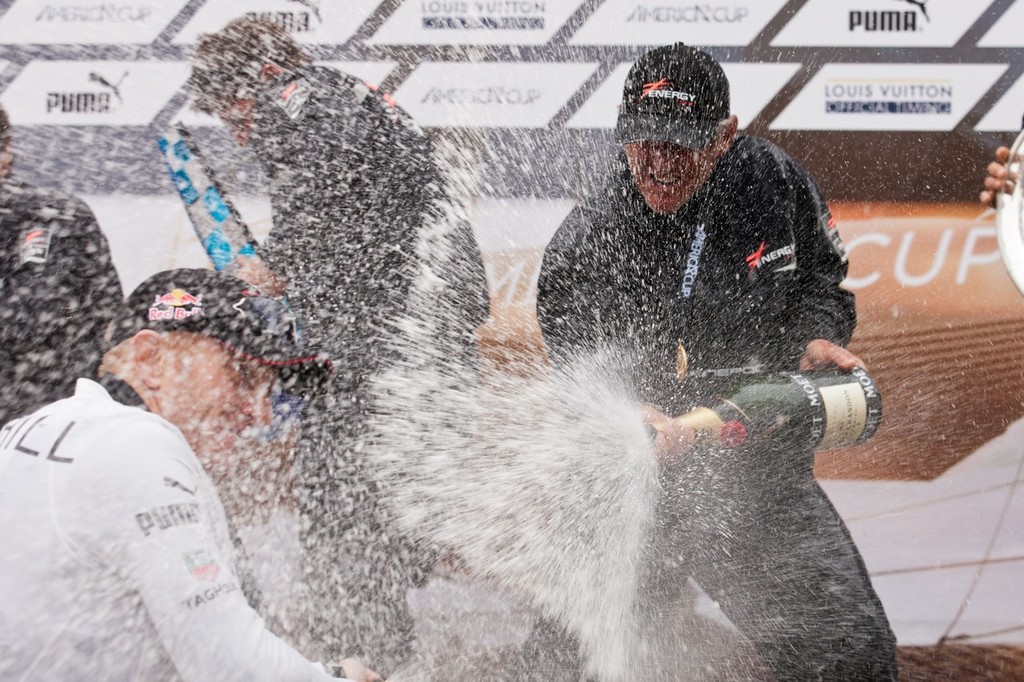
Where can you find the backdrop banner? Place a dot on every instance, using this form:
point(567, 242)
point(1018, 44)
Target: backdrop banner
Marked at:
point(895, 106)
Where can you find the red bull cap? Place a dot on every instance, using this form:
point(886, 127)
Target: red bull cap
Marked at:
point(230, 310)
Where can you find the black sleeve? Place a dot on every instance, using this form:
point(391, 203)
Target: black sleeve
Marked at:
point(56, 303)
point(356, 181)
point(568, 300)
point(824, 310)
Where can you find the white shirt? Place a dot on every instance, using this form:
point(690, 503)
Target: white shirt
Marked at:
point(275, 555)
point(115, 555)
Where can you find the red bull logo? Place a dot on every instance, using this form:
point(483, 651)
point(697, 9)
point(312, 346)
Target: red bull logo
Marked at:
point(177, 304)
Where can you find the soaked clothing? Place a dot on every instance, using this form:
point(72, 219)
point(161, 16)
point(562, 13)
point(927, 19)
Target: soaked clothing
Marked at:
point(117, 560)
point(58, 292)
point(744, 275)
point(352, 182)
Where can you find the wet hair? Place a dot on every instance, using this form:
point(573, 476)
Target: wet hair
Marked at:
point(226, 65)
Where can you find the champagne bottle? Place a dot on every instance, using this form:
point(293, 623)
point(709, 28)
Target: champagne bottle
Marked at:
point(821, 410)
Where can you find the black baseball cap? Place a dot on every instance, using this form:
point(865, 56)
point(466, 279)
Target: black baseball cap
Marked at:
point(230, 310)
point(676, 94)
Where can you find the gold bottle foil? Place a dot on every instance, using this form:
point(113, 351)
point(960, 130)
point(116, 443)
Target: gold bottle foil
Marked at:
point(704, 421)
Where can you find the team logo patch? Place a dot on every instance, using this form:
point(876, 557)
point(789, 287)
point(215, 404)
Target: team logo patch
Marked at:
point(754, 259)
point(661, 89)
point(293, 97)
point(35, 244)
point(201, 565)
point(177, 304)
point(758, 258)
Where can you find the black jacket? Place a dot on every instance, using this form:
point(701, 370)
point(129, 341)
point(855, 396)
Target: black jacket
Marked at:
point(58, 292)
point(351, 179)
point(744, 275)
point(353, 184)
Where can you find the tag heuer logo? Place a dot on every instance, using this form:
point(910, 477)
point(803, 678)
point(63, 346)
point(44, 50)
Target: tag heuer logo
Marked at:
point(201, 565)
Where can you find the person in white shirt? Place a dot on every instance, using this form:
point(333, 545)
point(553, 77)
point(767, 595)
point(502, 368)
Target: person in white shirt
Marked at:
point(117, 559)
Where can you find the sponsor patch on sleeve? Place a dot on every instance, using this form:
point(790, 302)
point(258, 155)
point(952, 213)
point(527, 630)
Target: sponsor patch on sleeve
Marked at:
point(293, 96)
point(783, 258)
point(832, 230)
point(35, 244)
point(202, 565)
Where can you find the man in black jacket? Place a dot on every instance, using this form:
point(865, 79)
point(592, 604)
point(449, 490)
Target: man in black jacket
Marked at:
point(58, 290)
point(353, 180)
point(717, 254)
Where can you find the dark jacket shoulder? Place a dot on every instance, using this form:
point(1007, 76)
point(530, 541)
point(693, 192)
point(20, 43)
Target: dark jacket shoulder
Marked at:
point(17, 196)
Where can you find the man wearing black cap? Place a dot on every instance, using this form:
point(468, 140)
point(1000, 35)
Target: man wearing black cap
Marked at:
point(353, 182)
point(714, 256)
point(117, 558)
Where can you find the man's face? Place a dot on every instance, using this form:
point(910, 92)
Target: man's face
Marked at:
point(217, 399)
point(237, 115)
point(668, 174)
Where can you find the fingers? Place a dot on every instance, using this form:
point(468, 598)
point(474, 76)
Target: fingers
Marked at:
point(844, 359)
point(999, 178)
point(822, 354)
point(681, 437)
point(993, 188)
point(672, 438)
point(997, 173)
point(673, 442)
point(355, 670)
point(653, 416)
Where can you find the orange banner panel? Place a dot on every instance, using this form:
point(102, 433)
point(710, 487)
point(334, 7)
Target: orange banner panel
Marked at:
point(941, 325)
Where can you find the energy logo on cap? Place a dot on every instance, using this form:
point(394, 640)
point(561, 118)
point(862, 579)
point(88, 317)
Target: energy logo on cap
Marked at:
point(659, 89)
point(177, 304)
